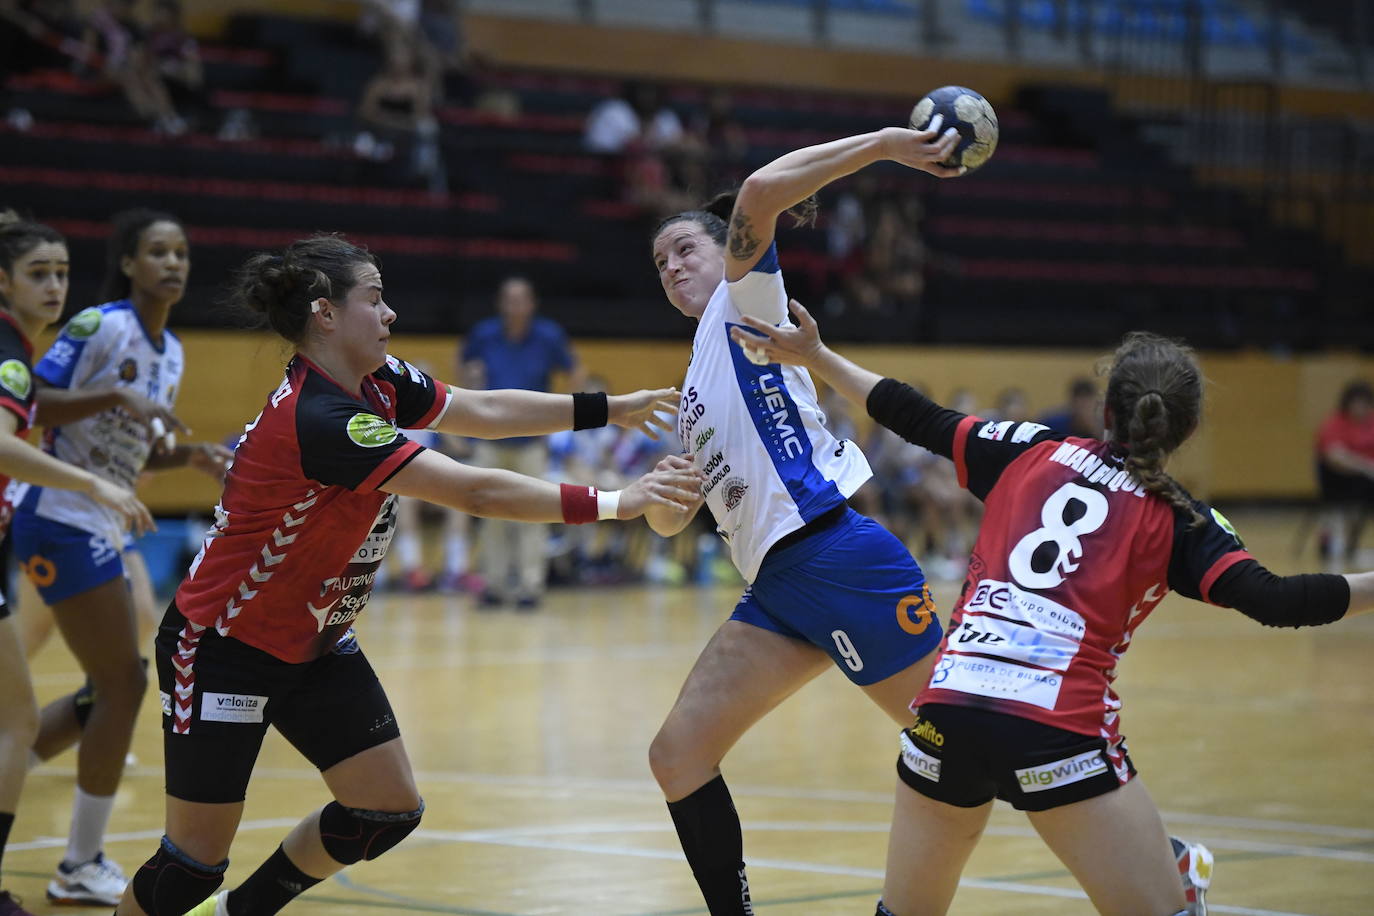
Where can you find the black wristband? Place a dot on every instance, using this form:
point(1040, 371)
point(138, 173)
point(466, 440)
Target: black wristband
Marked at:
point(591, 411)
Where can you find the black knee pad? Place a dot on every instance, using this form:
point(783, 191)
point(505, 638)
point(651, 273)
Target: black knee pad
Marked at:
point(356, 834)
point(171, 882)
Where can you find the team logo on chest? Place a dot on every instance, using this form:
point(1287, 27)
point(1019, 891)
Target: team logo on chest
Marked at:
point(128, 370)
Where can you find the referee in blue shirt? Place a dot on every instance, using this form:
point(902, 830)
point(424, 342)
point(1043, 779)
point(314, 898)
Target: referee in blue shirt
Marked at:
point(516, 349)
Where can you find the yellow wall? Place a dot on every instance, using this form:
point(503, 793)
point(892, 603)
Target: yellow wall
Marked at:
point(1255, 440)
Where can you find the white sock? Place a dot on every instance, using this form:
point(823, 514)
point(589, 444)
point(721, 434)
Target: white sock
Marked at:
point(408, 550)
point(90, 817)
point(455, 555)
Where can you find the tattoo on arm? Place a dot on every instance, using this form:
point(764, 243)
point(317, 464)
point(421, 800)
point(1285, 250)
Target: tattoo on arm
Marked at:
point(743, 243)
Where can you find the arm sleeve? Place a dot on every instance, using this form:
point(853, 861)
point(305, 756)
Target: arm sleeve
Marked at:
point(343, 444)
point(1308, 600)
point(420, 399)
point(761, 293)
point(980, 450)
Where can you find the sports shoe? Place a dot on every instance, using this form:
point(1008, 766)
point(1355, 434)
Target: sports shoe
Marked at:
point(99, 881)
point(9, 905)
point(1195, 870)
point(213, 906)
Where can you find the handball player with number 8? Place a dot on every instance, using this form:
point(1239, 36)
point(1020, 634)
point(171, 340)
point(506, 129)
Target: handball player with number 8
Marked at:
point(1081, 540)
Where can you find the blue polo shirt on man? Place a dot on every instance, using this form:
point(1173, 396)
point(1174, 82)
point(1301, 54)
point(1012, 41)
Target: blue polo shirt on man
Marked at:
point(525, 363)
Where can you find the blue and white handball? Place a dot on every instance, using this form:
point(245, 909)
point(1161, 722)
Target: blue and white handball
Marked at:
point(967, 112)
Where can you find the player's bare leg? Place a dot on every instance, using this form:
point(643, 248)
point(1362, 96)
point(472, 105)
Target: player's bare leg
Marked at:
point(894, 694)
point(1117, 848)
point(927, 849)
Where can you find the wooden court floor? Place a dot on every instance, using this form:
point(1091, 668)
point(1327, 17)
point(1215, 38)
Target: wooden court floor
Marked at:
point(529, 736)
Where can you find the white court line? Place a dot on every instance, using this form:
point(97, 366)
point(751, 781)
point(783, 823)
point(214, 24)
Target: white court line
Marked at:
point(520, 837)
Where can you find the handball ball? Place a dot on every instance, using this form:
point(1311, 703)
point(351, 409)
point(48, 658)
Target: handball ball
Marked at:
point(967, 112)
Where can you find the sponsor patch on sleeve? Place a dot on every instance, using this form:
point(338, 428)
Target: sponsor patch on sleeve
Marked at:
point(370, 430)
point(83, 324)
point(15, 378)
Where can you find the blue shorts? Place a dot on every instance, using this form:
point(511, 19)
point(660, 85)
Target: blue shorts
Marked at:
point(852, 590)
point(62, 561)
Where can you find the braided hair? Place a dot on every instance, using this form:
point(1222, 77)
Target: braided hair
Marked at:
point(1154, 395)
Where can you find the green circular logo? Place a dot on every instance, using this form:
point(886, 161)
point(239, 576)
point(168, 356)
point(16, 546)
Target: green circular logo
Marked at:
point(1225, 523)
point(84, 323)
point(14, 375)
point(370, 430)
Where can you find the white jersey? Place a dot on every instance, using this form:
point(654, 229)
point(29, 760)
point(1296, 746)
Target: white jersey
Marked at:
point(100, 348)
point(758, 435)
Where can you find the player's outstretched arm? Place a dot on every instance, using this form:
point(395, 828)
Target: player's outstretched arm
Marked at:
point(492, 493)
point(792, 178)
point(802, 346)
point(1361, 593)
point(503, 413)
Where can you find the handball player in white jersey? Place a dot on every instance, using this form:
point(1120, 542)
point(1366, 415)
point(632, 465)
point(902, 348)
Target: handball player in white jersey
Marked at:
point(827, 585)
point(105, 392)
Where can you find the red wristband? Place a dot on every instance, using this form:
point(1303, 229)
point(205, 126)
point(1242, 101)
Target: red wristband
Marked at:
point(579, 504)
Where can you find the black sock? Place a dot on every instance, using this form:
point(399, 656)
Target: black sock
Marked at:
point(275, 884)
point(708, 826)
point(6, 822)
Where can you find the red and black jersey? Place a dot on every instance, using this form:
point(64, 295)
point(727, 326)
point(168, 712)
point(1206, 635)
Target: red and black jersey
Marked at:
point(301, 527)
point(1072, 555)
point(16, 394)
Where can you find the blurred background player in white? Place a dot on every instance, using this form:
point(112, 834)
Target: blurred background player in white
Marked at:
point(106, 383)
point(1082, 539)
point(34, 268)
point(516, 349)
point(826, 584)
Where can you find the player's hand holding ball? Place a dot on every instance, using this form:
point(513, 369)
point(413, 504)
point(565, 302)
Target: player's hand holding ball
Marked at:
point(969, 115)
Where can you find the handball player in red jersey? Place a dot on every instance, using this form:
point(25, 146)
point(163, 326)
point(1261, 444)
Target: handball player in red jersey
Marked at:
point(1081, 540)
point(260, 631)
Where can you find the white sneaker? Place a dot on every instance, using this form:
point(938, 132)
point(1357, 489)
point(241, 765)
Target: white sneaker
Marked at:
point(1195, 870)
point(214, 906)
point(100, 881)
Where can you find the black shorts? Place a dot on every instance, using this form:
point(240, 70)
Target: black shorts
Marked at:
point(219, 695)
point(966, 757)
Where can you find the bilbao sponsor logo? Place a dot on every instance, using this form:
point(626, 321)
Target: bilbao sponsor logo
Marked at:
point(1025, 432)
point(370, 430)
point(15, 376)
point(1006, 599)
point(918, 761)
point(231, 707)
point(1062, 772)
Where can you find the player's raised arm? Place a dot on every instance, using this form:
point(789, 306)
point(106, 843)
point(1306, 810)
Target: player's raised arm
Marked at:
point(791, 179)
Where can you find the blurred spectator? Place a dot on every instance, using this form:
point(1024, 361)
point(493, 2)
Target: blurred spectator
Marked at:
point(397, 112)
point(1082, 415)
point(40, 34)
point(176, 57)
point(516, 349)
point(1345, 472)
point(114, 38)
point(1012, 404)
point(637, 115)
point(716, 131)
